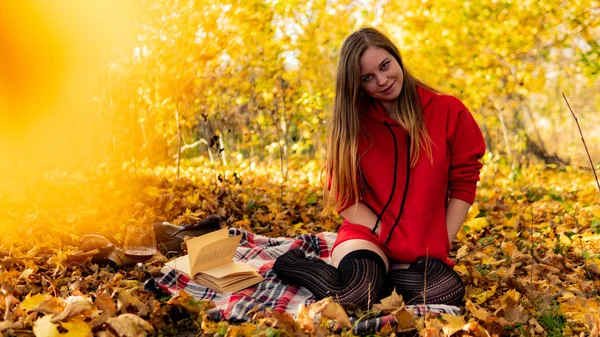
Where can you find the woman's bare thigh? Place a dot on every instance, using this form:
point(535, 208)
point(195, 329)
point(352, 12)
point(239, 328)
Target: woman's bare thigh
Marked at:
point(346, 247)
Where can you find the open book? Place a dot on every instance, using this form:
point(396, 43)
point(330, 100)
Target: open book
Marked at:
point(210, 263)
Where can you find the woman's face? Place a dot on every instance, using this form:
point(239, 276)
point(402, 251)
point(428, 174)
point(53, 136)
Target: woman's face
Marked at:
point(381, 76)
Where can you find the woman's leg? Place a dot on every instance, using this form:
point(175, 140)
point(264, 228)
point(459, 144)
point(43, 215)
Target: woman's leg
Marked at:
point(444, 285)
point(359, 277)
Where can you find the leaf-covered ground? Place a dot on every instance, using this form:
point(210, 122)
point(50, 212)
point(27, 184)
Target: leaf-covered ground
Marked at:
point(529, 252)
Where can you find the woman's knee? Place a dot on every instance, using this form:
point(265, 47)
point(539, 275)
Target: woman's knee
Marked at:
point(342, 250)
point(443, 284)
point(363, 274)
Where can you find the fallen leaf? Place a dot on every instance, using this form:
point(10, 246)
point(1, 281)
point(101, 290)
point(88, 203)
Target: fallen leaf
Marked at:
point(453, 324)
point(26, 273)
point(81, 257)
point(304, 320)
point(335, 311)
point(514, 315)
point(103, 301)
point(125, 299)
point(390, 303)
point(386, 330)
point(6, 325)
point(51, 305)
point(327, 308)
point(105, 333)
point(475, 330)
point(511, 250)
point(405, 318)
point(477, 312)
point(44, 327)
point(477, 224)
point(482, 296)
point(98, 321)
point(462, 251)
point(511, 311)
point(91, 242)
point(537, 327)
point(187, 302)
point(130, 325)
point(76, 328)
point(32, 302)
point(433, 326)
point(507, 273)
point(78, 306)
point(461, 269)
point(9, 301)
point(511, 298)
point(595, 331)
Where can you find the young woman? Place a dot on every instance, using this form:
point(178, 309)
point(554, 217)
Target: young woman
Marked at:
point(403, 165)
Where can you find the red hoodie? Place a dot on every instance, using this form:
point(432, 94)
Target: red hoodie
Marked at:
point(457, 145)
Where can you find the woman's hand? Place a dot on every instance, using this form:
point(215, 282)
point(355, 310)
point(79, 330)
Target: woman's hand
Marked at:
point(360, 214)
point(456, 213)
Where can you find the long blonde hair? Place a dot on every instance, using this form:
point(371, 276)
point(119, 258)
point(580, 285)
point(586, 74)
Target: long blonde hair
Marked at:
point(342, 168)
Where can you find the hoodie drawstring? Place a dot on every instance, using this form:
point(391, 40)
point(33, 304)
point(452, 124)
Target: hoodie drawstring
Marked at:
point(394, 185)
point(405, 191)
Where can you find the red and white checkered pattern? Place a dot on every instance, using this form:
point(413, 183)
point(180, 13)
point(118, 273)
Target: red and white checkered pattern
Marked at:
point(261, 252)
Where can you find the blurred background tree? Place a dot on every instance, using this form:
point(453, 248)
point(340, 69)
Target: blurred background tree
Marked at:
point(238, 80)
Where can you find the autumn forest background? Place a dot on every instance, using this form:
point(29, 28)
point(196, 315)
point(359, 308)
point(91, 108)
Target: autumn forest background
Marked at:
point(121, 112)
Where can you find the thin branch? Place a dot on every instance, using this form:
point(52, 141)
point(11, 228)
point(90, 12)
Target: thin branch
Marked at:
point(583, 140)
point(425, 281)
point(283, 176)
point(178, 142)
point(474, 251)
point(194, 144)
point(531, 248)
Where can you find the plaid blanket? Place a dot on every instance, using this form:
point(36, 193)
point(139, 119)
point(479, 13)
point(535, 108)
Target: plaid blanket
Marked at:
point(261, 252)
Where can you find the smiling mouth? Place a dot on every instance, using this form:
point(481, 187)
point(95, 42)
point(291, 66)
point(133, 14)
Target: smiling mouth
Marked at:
point(388, 88)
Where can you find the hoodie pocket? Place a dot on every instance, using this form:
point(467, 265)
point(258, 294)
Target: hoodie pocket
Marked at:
point(417, 237)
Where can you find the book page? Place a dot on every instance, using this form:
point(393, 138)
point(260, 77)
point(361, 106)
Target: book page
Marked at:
point(241, 284)
point(208, 238)
point(228, 283)
point(212, 254)
point(229, 269)
point(181, 264)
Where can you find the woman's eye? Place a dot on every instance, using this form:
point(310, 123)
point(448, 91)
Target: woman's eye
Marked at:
point(385, 65)
point(367, 78)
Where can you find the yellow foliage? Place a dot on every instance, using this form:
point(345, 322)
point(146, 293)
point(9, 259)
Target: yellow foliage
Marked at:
point(483, 295)
point(477, 224)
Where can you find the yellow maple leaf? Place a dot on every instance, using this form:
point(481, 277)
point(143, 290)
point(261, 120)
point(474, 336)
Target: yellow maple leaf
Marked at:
point(390, 303)
point(482, 296)
point(32, 302)
point(453, 324)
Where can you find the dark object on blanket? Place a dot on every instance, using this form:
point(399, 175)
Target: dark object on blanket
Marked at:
point(104, 250)
point(170, 237)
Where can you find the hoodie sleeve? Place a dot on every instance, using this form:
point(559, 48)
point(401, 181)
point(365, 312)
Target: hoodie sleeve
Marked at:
point(467, 147)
